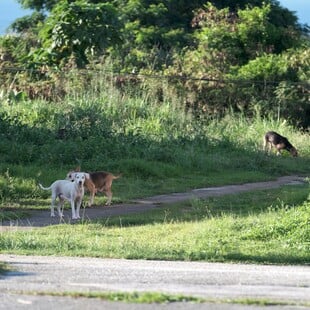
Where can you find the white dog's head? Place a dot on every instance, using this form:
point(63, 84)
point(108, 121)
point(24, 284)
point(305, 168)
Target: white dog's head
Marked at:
point(78, 178)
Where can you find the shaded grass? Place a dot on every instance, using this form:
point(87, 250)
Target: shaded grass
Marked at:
point(272, 230)
point(9, 215)
point(157, 146)
point(4, 268)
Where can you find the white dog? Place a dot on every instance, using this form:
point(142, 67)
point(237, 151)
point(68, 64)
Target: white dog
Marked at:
point(72, 191)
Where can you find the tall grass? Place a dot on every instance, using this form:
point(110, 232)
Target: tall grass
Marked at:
point(149, 137)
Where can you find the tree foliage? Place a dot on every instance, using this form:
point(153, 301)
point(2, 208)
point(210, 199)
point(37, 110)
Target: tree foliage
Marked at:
point(240, 47)
point(217, 42)
point(28, 23)
point(77, 29)
point(160, 26)
point(38, 5)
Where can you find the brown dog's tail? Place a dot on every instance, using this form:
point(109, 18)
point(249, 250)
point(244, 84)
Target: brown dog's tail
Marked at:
point(117, 176)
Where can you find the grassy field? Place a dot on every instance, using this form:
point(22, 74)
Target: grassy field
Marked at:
point(257, 227)
point(159, 148)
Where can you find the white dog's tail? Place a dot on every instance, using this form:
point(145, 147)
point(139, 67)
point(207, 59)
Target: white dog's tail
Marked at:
point(45, 188)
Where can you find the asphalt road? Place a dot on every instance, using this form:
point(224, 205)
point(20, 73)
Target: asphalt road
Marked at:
point(218, 281)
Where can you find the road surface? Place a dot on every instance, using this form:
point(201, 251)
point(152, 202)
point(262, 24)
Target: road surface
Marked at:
point(211, 281)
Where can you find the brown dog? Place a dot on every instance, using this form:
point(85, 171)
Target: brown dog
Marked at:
point(279, 142)
point(99, 181)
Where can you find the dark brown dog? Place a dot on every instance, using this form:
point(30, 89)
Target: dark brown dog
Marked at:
point(98, 181)
point(279, 142)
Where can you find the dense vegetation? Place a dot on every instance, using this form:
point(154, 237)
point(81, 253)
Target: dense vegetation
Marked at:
point(158, 146)
point(249, 56)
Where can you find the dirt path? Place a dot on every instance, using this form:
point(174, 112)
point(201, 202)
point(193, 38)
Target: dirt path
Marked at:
point(42, 218)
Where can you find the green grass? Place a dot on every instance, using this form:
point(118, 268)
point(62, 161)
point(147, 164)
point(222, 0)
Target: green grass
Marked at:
point(258, 227)
point(134, 297)
point(159, 148)
point(161, 298)
point(7, 214)
point(4, 268)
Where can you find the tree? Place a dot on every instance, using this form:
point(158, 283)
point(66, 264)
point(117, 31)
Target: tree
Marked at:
point(227, 42)
point(38, 5)
point(78, 29)
point(153, 29)
point(225, 39)
point(29, 23)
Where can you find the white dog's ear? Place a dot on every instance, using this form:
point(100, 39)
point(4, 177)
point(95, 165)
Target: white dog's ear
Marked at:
point(87, 176)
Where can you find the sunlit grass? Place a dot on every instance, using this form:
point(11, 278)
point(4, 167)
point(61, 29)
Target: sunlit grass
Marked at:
point(162, 298)
point(271, 230)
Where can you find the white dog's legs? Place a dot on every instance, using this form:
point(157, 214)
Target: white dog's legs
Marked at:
point(60, 207)
point(78, 205)
point(73, 210)
point(73, 203)
point(52, 206)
